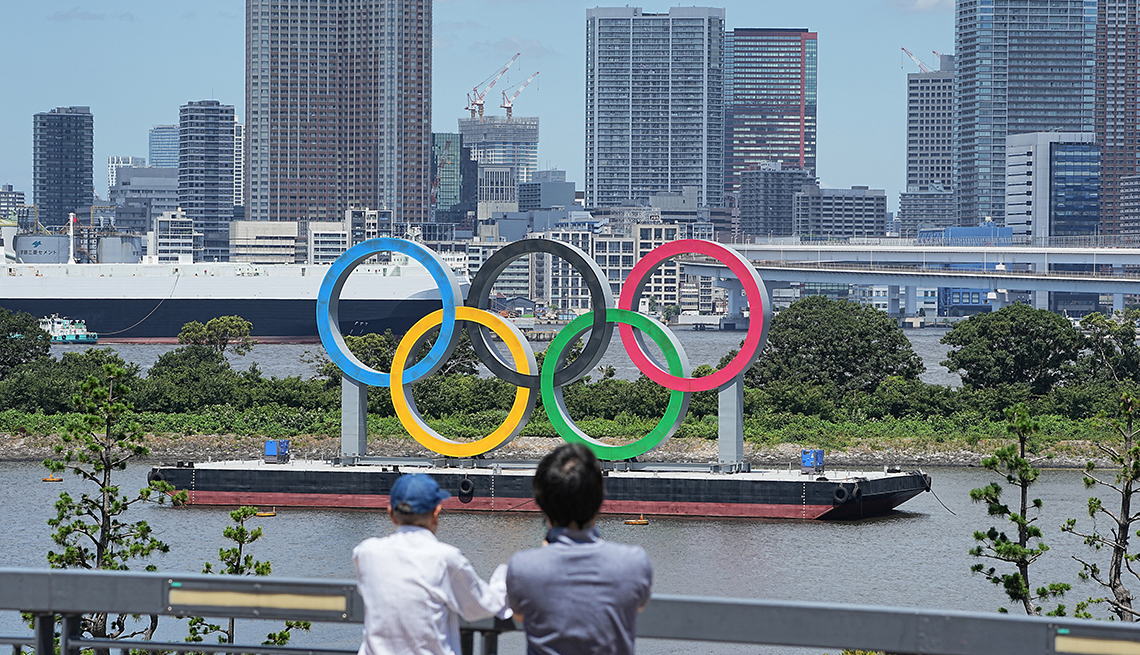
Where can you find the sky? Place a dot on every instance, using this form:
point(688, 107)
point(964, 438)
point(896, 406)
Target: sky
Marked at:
point(134, 62)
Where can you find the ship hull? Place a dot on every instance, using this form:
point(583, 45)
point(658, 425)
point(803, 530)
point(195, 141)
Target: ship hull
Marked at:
point(745, 495)
point(134, 318)
point(143, 301)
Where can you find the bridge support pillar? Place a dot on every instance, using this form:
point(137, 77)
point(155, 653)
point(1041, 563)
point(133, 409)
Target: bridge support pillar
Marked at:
point(998, 298)
point(893, 300)
point(1041, 300)
point(353, 418)
point(1117, 302)
point(734, 293)
point(909, 302)
point(730, 422)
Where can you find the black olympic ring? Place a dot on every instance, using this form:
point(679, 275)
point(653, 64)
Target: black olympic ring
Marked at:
point(600, 297)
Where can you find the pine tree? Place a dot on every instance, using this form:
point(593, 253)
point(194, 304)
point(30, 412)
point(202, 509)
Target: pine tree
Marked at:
point(90, 529)
point(1027, 546)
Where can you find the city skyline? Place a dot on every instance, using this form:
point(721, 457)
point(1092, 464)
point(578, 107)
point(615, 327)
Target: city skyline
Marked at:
point(862, 86)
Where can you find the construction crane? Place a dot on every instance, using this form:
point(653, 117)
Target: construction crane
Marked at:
point(921, 66)
point(509, 103)
point(475, 97)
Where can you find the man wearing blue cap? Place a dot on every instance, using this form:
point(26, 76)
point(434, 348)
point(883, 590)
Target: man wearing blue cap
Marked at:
point(415, 587)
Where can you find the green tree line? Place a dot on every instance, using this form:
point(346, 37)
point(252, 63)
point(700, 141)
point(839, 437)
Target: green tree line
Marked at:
point(828, 366)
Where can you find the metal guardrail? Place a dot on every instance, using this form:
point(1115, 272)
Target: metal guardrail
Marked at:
point(49, 594)
point(902, 268)
point(789, 264)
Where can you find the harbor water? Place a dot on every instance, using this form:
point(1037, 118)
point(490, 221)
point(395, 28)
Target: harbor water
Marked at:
point(707, 347)
point(916, 557)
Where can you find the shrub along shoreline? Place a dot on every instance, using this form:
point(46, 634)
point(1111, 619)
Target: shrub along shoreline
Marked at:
point(225, 432)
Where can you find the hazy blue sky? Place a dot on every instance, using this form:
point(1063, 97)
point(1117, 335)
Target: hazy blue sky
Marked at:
point(134, 62)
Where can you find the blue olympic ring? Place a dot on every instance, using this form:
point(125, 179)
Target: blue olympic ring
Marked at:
point(328, 324)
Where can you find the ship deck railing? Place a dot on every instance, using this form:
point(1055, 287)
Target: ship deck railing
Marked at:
point(727, 468)
point(61, 597)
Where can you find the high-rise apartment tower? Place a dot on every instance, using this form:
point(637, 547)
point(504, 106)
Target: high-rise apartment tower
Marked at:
point(654, 104)
point(206, 173)
point(769, 100)
point(929, 199)
point(62, 162)
point(1117, 42)
point(338, 104)
point(1020, 66)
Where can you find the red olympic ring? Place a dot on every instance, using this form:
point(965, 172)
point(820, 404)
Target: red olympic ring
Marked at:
point(753, 291)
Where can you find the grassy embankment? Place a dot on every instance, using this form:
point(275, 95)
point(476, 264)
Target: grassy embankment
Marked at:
point(1059, 436)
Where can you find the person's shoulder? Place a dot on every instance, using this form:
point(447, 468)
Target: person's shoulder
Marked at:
point(529, 559)
point(368, 544)
point(628, 553)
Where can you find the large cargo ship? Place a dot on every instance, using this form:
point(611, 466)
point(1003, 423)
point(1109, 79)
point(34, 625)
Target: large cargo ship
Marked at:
point(153, 301)
point(650, 489)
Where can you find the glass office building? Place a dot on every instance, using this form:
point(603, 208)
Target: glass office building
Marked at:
point(770, 100)
point(1020, 66)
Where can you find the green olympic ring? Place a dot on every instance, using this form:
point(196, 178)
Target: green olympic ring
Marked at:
point(556, 408)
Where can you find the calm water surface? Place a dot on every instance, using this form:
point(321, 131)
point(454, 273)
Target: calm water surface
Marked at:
point(916, 557)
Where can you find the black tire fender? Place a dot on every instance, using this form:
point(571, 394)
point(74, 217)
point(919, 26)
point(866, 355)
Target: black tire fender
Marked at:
point(840, 495)
point(466, 487)
point(155, 475)
point(856, 494)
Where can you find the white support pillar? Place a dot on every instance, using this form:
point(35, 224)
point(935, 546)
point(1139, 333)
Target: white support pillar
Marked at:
point(730, 422)
point(1117, 302)
point(910, 303)
point(1041, 299)
point(893, 300)
point(353, 418)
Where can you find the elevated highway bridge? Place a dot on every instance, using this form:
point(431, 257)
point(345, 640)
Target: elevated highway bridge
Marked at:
point(1109, 267)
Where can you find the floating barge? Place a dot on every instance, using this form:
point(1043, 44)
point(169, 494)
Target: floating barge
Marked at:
point(654, 489)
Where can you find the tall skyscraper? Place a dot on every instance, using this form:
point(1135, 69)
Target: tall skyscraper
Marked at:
point(929, 198)
point(163, 146)
point(239, 163)
point(115, 162)
point(1117, 42)
point(769, 100)
point(1021, 66)
point(654, 104)
point(206, 173)
point(62, 162)
point(338, 104)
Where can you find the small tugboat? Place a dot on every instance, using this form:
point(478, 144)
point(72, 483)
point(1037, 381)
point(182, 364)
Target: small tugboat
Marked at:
point(67, 330)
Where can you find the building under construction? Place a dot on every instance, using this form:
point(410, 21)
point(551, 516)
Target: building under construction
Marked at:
point(499, 141)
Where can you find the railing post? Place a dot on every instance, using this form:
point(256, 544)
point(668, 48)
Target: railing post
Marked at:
point(69, 631)
point(490, 643)
point(467, 642)
point(45, 634)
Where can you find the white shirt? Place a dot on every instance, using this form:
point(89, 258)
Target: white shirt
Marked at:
point(414, 589)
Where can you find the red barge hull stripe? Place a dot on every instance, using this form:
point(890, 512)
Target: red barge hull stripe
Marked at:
point(483, 504)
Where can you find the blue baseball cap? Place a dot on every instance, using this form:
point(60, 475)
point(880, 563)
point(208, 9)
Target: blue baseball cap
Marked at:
point(418, 491)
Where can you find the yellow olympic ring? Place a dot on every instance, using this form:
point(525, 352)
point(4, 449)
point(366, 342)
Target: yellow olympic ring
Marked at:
point(405, 404)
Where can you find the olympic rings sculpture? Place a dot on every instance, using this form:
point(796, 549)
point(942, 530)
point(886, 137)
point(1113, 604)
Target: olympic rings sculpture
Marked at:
point(523, 371)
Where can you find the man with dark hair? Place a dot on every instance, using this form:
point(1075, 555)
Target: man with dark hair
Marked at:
point(578, 594)
point(415, 587)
